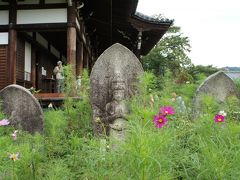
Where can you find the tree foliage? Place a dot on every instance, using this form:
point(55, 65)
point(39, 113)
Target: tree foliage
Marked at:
point(196, 71)
point(171, 52)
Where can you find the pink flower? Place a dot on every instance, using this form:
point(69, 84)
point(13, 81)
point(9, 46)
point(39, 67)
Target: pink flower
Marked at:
point(219, 118)
point(4, 122)
point(160, 121)
point(167, 110)
point(14, 135)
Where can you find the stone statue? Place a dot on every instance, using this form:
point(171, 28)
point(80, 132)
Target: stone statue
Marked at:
point(181, 108)
point(116, 110)
point(113, 79)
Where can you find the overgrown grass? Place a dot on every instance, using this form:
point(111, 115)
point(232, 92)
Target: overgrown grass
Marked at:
point(186, 149)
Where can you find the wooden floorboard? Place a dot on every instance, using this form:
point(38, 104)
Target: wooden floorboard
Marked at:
point(56, 99)
point(49, 96)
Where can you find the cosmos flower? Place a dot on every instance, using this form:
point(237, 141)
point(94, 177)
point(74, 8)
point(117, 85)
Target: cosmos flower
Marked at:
point(167, 110)
point(14, 135)
point(4, 122)
point(14, 157)
point(222, 113)
point(219, 118)
point(160, 121)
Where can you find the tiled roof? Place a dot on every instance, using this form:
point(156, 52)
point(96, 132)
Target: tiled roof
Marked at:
point(152, 19)
point(233, 74)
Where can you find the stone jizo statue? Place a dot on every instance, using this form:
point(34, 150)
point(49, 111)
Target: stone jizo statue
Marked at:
point(113, 80)
point(116, 110)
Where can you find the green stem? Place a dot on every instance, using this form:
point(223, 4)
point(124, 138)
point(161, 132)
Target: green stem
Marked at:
point(13, 170)
point(143, 176)
point(33, 165)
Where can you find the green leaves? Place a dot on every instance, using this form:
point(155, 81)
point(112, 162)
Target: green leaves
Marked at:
point(171, 53)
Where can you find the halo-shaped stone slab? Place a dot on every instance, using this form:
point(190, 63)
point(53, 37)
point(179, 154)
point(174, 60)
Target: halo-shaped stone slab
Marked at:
point(22, 108)
point(116, 60)
point(217, 85)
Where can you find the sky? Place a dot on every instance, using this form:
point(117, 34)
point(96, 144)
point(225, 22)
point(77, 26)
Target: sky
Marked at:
point(213, 27)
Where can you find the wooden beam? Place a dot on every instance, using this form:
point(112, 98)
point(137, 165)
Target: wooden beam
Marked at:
point(4, 7)
point(4, 28)
point(147, 26)
point(36, 27)
point(41, 27)
point(42, 6)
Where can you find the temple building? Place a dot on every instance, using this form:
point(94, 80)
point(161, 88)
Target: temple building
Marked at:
point(35, 34)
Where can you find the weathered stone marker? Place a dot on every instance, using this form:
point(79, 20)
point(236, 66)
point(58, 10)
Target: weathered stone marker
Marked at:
point(22, 108)
point(219, 86)
point(112, 80)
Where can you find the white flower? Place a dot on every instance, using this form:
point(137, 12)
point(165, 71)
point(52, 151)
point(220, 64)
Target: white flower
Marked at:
point(223, 113)
point(14, 135)
point(98, 120)
point(50, 105)
point(14, 157)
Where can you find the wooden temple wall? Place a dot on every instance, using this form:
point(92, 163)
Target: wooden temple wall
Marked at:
point(22, 26)
point(3, 66)
point(41, 62)
point(20, 62)
point(47, 63)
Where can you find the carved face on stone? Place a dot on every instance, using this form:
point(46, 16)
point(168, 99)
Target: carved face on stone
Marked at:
point(118, 89)
point(118, 94)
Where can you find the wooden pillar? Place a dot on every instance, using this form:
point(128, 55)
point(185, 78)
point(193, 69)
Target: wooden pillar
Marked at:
point(71, 47)
point(33, 66)
point(71, 37)
point(85, 58)
point(79, 59)
point(90, 61)
point(139, 44)
point(12, 43)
